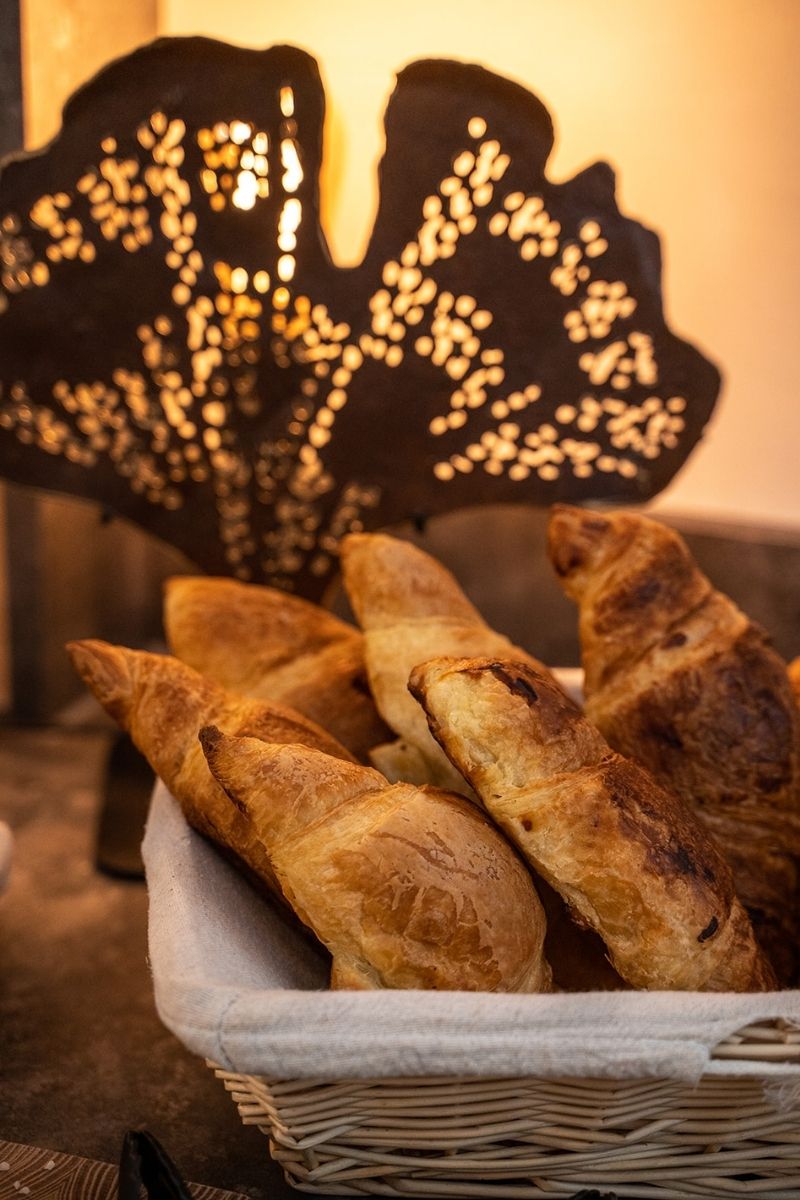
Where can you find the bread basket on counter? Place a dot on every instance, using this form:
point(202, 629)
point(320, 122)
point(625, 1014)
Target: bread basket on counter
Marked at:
point(456, 1094)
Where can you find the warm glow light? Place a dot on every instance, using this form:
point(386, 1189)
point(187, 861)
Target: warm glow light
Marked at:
point(292, 212)
point(293, 172)
point(288, 224)
point(287, 101)
point(214, 413)
point(246, 190)
point(286, 267)
point(240, 132)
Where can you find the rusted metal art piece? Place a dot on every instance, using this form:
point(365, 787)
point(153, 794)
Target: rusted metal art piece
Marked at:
point(176, 342)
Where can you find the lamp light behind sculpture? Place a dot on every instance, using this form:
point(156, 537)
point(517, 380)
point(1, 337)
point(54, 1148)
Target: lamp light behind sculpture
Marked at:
point(176, 343)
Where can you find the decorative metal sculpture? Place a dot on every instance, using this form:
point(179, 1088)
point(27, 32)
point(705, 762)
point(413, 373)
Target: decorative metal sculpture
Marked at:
point(176, 342)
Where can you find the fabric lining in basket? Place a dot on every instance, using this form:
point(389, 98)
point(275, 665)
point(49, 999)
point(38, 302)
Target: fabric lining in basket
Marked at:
point(239, 987)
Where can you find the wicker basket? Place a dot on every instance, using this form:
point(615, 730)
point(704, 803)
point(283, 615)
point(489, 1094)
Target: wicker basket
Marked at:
point(238, 988)
point(534, 1137)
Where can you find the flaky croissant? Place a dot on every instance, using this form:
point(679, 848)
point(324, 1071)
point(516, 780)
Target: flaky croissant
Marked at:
point(411, 609)
point(163, 704)
point(261, 642)
point(681, 680)
point(407, 887)
point(627, 857)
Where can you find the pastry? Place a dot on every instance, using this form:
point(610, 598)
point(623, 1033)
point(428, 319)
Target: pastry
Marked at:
point(261, 642)
point(626, 856)
point(681, 680)
point(410, 609)
point(407, 887)
point(162, 704)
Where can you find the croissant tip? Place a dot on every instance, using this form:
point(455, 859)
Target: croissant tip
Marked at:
point(80, 643)
point(82, 651)
point(417, 681)
point(176, 584)
point(210, 739)
point(426, 672)
point(569, 513)
point(172, 583)
point(353, 541)
point(108, 671)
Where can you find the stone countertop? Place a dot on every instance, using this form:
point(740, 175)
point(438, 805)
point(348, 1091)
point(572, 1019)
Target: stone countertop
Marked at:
point(85, 1057)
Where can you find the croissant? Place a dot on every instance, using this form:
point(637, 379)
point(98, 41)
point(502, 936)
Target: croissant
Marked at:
point(410, 609)
point(407, 887)
point(261, 642)
point(681, 680)
point(627, 857)
point(163, 704)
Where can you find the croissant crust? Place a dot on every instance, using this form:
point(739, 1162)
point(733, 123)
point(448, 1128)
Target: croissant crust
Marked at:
point(678, 678)
point(407, 887)
point(263, 643)
point(410, 609)
point(626, 856)
point(163, 704)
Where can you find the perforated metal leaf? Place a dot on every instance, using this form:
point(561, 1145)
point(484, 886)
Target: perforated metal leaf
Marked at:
point(176, 342)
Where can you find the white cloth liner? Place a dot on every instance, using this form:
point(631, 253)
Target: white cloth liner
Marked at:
point(238, 986)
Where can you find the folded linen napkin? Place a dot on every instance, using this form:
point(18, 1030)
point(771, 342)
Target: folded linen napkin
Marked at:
point(237, 985)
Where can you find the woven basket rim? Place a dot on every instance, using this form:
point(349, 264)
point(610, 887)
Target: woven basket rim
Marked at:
point(525, 1138)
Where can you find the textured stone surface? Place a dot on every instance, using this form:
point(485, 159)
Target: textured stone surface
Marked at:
point(84, 1055)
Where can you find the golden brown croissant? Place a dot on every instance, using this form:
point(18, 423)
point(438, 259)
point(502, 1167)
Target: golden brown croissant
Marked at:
point(407, 887)
point(261, 642)
point(679, 679)
point(411, 609)
point(163, 704)
point(625, 855)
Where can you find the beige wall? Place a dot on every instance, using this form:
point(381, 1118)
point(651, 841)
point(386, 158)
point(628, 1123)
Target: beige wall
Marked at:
point(64, 42)
point(695, 101)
